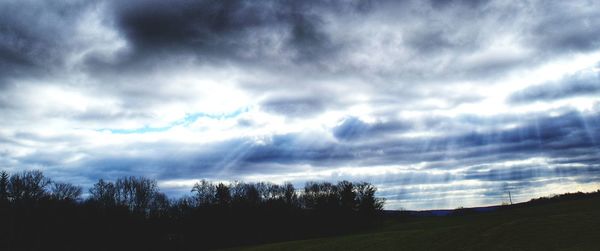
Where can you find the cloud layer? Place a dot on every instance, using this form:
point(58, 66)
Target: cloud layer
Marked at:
point(439, 103)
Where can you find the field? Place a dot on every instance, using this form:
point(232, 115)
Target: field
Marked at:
point(572, 224)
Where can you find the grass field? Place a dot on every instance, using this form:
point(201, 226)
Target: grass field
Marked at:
point(557, 225)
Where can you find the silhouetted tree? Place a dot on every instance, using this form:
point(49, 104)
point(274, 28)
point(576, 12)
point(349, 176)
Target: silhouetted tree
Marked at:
point(368, 204)
point(347, 195)
point(145, 192)
point(4, 181)
point(133, 214)
point(205, 193)
point(290, 197)
point(66, 191)
point(310, 195)
point(28, 186)
point(263, 190)
point(182, 207)
point(159, 206)
point(245, 194)
point(321, 196)
point(222, 194)
point(104, 193)
point(134, 193)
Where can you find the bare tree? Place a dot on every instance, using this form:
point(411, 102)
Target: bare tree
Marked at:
point(125, 192)
point(290, 197)
point(145, 191)
point(160, 204)
point(263, 190)
point(104, 193)
point(135, 193)
point(66, 191)
point(138, 194)
point(275, 192)
point(28, 186)
point(245, 194)
point(205, 192)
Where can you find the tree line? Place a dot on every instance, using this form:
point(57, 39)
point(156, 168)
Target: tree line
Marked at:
point(132, 213)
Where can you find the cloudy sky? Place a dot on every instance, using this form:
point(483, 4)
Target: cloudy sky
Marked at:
point(440, 104)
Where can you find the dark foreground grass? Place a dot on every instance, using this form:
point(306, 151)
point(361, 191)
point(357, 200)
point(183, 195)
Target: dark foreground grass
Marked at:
point(556, 225)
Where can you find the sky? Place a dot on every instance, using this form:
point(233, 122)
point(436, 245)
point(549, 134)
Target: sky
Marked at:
point(440, 104)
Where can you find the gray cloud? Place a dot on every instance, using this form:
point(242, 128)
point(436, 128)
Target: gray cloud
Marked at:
point(580, 84)
point(568, 26)
point(36, 36)
point(294, 107)
point(558, 138)
point(353, 128)
point(217, 31)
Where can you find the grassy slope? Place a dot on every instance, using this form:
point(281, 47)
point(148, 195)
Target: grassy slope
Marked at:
point(564, 225)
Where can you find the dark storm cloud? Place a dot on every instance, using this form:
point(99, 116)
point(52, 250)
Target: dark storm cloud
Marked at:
point(249, 31)
point(263, 34)
point(231, 30)
point(581, 84)
point(35, 36)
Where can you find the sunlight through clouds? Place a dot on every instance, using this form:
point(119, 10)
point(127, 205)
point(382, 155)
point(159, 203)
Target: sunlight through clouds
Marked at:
point(439, 104)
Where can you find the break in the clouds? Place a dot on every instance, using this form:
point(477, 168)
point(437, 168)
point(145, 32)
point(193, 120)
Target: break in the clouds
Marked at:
point(438, 103)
